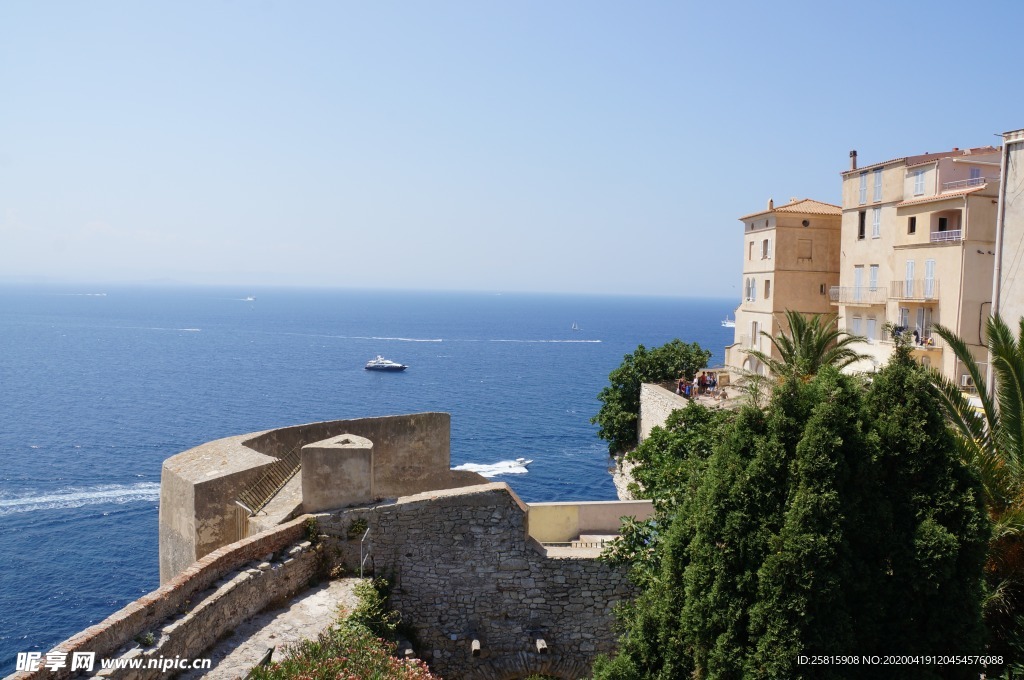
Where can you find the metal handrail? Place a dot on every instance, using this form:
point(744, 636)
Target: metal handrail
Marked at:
point(362, 557)
point(852, 295)
point(943, 236)
point(914, 289)
point(277, 474)
point(963, 183)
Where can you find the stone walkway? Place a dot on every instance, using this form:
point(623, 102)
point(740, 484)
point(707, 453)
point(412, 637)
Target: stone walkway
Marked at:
point(304, 617)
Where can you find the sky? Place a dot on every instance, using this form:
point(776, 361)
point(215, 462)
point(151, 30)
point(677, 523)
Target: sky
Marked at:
point(572, 146)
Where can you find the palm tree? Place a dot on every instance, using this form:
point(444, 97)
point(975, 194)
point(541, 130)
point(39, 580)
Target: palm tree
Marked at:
point(811, 343)
point(991, 440)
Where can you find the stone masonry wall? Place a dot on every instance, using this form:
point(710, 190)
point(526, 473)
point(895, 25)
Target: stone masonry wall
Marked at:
point(463, 568)
point(656, 404)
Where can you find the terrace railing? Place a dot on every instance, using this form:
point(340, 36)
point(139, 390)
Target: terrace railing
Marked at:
point(857, 295)
point(946, 236)
point(914, 289)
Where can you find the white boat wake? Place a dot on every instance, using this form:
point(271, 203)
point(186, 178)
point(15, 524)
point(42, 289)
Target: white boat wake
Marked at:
point(504, 467)
point(76, 498)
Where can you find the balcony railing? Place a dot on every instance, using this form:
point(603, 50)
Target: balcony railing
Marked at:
point(916, 289)
point(923, 341)
point(964, 183)
point(944, 236)
point(856, 295)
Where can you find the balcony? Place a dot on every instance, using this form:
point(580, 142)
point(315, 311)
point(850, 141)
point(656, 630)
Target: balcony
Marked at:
point(946, 236)
point(923, 290)
point(966, 183)
point(856, 295)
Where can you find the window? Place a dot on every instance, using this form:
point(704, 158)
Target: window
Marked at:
point(767, 289)
point(755, 335)
point(929, 278)
point(904, 317)
point(912, 225)
point(919, 181)
point(856, 325)
point(803, 249)
point(861, 220)
point(871, 329)
point(878, 185)
point(765, 249)
point(858, 282)
point(975, 174)
point(750, 251)
point(876, 222)
point(943, 223)
point(751, 291)
point(873, 277)
point(908, 280)
point(863, 188)
point(821, 289)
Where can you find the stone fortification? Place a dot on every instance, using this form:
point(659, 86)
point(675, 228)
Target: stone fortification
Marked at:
point(465, 568)
point(191, 611)
point(411, 453)
point(464, 555)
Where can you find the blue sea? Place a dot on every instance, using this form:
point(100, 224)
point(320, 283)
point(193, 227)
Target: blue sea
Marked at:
point(101, 384)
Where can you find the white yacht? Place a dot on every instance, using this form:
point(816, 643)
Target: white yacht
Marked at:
point(382, 364)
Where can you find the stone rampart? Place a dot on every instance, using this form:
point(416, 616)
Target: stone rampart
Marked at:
point(191, 611)
point(411, 453)
point(464, 568)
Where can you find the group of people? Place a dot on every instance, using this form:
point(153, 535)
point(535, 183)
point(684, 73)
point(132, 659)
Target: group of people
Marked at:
point(704, 384)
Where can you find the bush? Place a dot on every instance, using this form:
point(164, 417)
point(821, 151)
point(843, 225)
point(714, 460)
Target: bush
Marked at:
point(620, 408)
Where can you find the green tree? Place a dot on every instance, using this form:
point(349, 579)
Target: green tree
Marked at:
point(810, 343)
point(991, 440)
point(620, 400)
point(836, 521)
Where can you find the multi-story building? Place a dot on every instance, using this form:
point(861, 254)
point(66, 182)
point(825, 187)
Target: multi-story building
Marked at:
point(1008, 291)
point(790, 261)
point(918, 248)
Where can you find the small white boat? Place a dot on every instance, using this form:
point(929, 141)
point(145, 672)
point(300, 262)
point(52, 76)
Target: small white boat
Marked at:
point(575, 327)
point(728, 323)
point(382, 364)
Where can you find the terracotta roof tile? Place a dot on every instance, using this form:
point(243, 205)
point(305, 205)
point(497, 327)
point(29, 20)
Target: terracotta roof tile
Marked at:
point(805, 206)
point(941, 197)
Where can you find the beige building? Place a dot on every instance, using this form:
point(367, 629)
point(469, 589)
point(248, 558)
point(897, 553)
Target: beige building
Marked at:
point(790, 261)
point(918, 248)
point(1008, 288)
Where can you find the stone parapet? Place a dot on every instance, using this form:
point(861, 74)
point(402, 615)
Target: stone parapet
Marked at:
point(183, 617)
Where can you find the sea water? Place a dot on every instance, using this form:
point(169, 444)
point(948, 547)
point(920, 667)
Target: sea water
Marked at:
point(101, 384)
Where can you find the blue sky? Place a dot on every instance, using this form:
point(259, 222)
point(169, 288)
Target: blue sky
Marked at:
point(591, 147)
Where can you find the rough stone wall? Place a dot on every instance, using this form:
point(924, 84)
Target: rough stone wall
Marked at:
point(656, 404)
point(195, 608)
point(464, 568)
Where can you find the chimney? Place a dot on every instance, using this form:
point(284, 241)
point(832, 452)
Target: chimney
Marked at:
point(771, 204)
point(853, 160)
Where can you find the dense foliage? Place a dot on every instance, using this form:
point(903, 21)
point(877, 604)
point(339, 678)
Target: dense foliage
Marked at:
point(355, 648)
point(991, 440)
point(620, 400)
point(838, 520)
point(811, 343)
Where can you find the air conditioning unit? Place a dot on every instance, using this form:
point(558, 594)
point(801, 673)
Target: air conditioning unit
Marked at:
point(966, 381)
